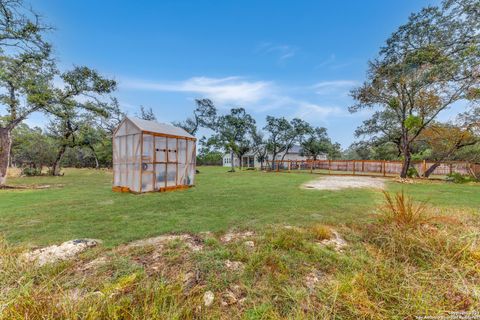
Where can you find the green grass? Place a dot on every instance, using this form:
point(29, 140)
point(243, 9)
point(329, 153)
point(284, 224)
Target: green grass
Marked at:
point(85, 206)
point(387, 269)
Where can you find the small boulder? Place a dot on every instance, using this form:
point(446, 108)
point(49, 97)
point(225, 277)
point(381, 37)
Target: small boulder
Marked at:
point(249, 244)
point(228, 298)
point(234, 265)
point(65, 251)
point(208, 298)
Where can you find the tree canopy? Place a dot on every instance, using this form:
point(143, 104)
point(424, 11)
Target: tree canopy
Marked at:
point(426, 66)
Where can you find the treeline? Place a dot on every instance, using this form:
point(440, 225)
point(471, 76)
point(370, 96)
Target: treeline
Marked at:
point(236, 133)
point(427, 66)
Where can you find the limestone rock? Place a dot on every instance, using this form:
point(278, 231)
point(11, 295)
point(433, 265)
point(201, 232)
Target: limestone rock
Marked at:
point(234, 265)
point(64, 251)
point(208, 298)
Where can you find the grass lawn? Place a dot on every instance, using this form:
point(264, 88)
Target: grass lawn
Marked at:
point(339, 262)
point(85, 206)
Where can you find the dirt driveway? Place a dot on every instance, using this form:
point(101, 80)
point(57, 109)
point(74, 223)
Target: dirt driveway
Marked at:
point(344, 182)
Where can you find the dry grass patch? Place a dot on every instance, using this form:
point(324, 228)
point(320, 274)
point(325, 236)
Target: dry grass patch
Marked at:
point(392, 268)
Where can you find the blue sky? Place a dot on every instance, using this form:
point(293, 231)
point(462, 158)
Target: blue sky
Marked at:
point(282, 58)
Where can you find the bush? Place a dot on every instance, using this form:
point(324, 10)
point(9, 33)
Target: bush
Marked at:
point(412, 173)
point(459, 178)
point(30, 172)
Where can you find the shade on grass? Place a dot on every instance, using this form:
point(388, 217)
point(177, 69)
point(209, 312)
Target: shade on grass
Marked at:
point(85, 207)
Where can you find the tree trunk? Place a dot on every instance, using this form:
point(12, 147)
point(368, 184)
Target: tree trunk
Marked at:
point(56, 164)
point(97, 165)
point(272, 166)
point(5, 146)
point(232, 161)
point(431, 169)
point(407, 158)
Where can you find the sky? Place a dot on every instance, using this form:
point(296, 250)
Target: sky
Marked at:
point(272, 57)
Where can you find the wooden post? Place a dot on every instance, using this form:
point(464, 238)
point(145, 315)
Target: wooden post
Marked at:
point(329, 166)
point(424, 167)
point(154, 175)
point(166, 161)
point(176, 168)
point(311, 166)
point(141, 162)
point(450, 168)
point(353, 167)
point(384, 169)
point(363, 165)
point(186, 154)
point(289, 165)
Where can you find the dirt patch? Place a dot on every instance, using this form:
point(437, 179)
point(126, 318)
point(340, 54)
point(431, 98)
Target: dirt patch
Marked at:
point(30, 187)
point(158, 256)
point(235, 236)
point(193, 243)
point(336, 242)
point(345, 182)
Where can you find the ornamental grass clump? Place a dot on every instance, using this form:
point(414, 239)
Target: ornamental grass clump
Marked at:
point(401, 211)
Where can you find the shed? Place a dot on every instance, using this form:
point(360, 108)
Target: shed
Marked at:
point(151, 156)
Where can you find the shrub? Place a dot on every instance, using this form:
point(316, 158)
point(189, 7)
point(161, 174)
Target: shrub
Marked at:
point(30, 172)
point(412, 173)
point(459, 178)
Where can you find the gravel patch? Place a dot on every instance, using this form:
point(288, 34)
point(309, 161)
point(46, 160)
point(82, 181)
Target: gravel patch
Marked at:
point(345, 182)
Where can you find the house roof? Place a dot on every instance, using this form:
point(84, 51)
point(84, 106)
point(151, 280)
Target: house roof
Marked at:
point(296, 149)
point(157, 127)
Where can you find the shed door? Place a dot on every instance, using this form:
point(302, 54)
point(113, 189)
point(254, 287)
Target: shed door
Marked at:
point(148, 173)
point(160, 162)
point(172, 146)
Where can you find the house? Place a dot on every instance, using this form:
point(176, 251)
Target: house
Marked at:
point(250, 160)
point(152, 156)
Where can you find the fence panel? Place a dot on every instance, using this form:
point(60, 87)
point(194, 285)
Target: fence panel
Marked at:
point(372, 167)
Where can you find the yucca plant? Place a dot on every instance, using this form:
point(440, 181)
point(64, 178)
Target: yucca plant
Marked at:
point(402, 211)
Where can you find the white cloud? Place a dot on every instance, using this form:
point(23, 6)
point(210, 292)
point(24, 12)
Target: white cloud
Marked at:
point(222, 90)
point(329, 61)
point(336, 86)
point(310, 111)
point(311, 103)
point(332, 63)
point(283, 51)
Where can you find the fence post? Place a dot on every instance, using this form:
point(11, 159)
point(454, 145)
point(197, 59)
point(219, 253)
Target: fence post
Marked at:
point(353, 167)
point(450, 168)
point(311, 166)
point(424, 167)
point(329, 166)
point(363, 165)
point(289, 165)
point(384, 169)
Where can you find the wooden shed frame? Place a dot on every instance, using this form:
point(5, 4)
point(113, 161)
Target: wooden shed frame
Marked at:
point(152, 157)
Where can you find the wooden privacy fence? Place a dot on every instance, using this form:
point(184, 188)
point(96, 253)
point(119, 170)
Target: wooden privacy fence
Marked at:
point(372, 167)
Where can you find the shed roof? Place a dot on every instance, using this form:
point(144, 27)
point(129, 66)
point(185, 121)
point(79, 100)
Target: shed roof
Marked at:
point(157, 127)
